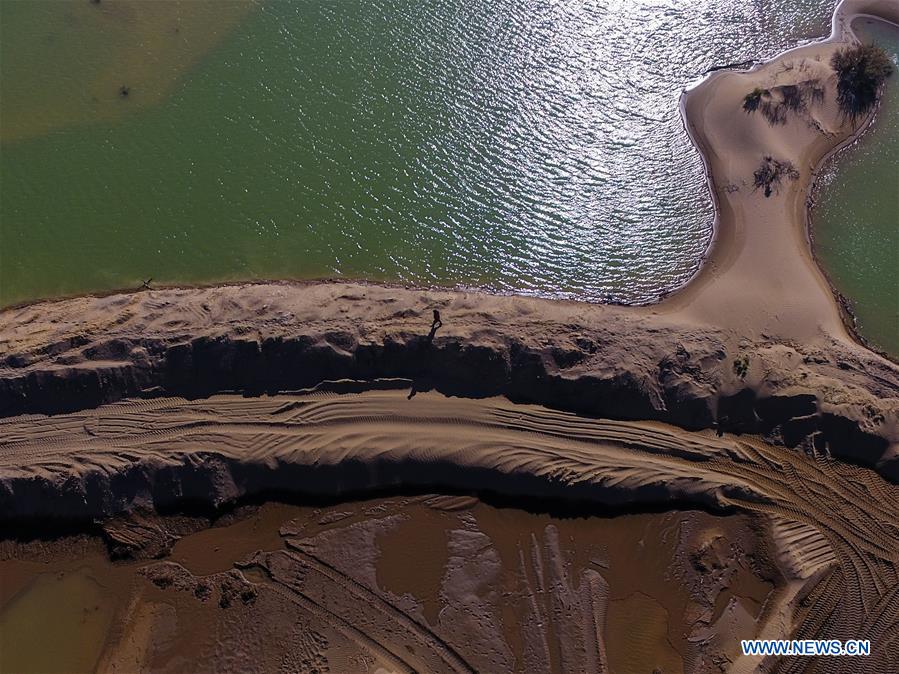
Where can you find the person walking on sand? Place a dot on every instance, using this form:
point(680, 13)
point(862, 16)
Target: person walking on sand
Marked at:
point(435, 326)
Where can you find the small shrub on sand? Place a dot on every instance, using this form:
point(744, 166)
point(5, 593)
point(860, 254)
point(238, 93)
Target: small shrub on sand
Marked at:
point(775, 103)
point(774, 112)
point(793, 98)
point(753, 99)
point(741, 367)
point(860, 72)
point(771, 172)
point(815, 91)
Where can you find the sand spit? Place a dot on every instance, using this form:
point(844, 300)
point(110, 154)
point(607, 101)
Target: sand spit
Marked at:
point(760, 275)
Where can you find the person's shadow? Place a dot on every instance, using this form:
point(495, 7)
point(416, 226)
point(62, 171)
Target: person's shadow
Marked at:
point(435, 326)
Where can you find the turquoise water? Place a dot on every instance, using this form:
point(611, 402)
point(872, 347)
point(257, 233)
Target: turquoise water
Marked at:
point(856, 221)
point(514, 145)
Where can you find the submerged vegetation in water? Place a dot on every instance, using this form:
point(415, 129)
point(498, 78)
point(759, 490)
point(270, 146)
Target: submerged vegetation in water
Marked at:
point(771, 172)
point(860, 72)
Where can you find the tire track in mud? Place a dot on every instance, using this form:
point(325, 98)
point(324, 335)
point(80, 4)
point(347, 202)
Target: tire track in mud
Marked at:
point(341, 582)
point(837, 525)
point(336, 622)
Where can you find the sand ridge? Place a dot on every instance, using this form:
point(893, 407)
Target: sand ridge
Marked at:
point(612, 362)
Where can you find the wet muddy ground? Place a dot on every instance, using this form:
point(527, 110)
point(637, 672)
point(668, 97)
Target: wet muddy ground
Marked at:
point(430, 583)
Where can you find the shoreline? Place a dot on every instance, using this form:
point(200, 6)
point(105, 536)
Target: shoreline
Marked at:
point(759, 287)
point(759, 290)
point(840, 27)
point(720, 248)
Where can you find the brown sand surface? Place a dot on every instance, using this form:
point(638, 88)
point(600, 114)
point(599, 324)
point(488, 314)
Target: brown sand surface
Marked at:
point(156, 453)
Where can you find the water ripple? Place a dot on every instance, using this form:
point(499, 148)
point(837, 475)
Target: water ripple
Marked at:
point(519, 145)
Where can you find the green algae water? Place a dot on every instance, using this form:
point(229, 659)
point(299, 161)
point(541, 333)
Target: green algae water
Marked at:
point(517, 146)
point(856, 221)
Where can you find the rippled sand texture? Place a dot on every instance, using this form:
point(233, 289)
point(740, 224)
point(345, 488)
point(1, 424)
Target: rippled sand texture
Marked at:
point(516, 145)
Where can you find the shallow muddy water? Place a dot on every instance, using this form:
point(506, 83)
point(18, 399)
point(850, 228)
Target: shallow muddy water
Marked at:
point(58, 623)
point(517, 146)
point(441, 561)
point(855, 223)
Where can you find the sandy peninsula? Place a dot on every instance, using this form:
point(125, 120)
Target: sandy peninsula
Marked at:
point(741, 403)
point(760, 275)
